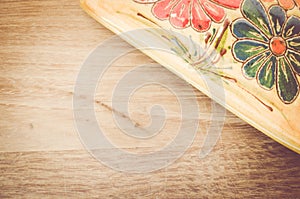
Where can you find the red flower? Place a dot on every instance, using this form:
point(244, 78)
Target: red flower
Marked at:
point(196, 13)
point(289, 4)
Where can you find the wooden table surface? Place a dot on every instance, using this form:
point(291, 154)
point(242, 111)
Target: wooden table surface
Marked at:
point(42, 46)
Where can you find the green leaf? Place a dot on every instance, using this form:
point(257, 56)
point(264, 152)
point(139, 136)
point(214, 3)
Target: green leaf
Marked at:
point(266, 74)
point(251, 67)
point(245, 49)
point(278, 18)
point(243, 29)
point(287, 84)
point(255, 12)
point(294, 59)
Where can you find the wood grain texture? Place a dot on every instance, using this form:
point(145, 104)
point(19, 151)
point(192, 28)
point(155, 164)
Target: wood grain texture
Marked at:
point(42, 46)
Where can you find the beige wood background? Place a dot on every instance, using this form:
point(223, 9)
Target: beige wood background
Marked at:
point(42, 46)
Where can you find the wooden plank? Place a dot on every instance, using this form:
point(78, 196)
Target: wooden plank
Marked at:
point(42, 46)
point(233, 170)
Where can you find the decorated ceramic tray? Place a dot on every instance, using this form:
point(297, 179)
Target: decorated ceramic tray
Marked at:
point(253, 46)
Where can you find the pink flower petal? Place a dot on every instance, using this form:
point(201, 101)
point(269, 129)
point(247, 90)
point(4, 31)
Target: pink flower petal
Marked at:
point(162, 9)
point(180, 14)
point(199, 20)
point(232, 4)
point(215, 12)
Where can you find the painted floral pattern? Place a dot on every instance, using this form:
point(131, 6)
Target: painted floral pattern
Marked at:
point(287, 4)
point(198, 14)
point(268, 45)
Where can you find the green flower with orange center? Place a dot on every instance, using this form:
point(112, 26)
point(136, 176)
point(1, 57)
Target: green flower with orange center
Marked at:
point(268, 45)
